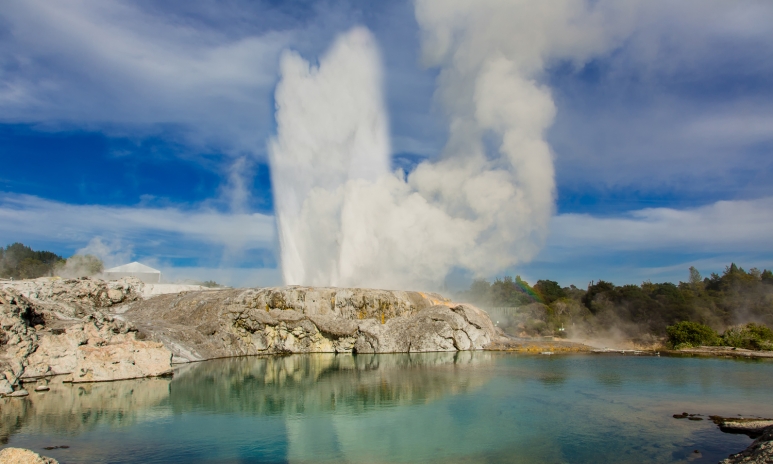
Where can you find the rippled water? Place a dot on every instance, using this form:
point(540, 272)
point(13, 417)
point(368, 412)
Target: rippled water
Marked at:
point(438, 407)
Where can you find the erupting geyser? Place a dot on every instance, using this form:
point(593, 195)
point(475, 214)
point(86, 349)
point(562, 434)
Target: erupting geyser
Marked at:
point(345, 220)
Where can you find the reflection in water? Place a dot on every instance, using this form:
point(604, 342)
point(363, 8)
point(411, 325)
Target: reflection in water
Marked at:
point(74, 409)
point(306, 384)
point(429, 407)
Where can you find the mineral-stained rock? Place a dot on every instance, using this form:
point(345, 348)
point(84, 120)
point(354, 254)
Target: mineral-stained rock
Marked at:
point(42, 338)
point(130, 359)
point(23, 456)
point(75, 297)
point(203, 325)
point(98, 330)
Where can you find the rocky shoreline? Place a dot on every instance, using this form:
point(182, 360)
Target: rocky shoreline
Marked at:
point(90, 330)
point(720, 352)
point(760, 451)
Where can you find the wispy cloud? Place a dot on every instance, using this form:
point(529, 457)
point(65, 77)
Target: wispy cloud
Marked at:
point(683, 105)
point(167, 230)
point(109, 64)
point(730, 225)
point(655, 243)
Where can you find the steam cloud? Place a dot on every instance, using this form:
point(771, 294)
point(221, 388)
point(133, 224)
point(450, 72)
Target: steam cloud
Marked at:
point(483, 205)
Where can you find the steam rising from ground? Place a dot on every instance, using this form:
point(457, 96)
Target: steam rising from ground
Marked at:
point(483, 205)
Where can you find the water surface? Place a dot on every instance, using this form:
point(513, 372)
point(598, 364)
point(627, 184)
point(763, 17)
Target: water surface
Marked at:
point(436, 407)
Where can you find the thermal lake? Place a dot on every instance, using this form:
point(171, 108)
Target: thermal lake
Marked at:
point(436, 407)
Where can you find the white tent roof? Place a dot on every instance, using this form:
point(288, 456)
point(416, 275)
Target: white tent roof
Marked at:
point(134, 267)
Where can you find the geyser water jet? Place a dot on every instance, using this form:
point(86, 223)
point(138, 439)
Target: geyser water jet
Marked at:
point(483, 204)
point(345, 220)
point(332, 129)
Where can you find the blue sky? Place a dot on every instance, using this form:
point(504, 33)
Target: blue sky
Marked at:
point(137, 130)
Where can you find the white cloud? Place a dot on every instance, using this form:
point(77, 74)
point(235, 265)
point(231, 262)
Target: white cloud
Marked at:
point(24, 218)
point(726, 226)
point(683, 104)
point(108, 64)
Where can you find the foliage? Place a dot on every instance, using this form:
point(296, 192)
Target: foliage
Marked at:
point(18, 261)
point(593, 291)
point(504, 292)
point(509, 292)
point(687, 334)
point(636, 311)
point(210, 284)
point(549, 290)
point(750, 336)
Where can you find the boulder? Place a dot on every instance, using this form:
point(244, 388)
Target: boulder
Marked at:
point(23, 456)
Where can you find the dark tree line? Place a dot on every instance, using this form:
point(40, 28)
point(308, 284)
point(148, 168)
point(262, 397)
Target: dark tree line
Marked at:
point(718, 302)
point(18, 261)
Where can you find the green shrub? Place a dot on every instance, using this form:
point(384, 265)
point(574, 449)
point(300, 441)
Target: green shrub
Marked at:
point(750, 336)
point(687, 334)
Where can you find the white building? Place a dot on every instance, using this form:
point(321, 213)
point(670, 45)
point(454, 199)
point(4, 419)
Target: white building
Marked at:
point(145, 273)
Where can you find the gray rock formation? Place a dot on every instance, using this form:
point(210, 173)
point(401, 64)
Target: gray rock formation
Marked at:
point(212, 324)
point(64, 299)
point(55, 326)
point(759, 452)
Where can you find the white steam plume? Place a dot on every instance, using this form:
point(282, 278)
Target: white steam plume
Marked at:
point(344, 220)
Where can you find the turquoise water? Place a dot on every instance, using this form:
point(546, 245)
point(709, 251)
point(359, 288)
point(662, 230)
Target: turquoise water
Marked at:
point(437, 407)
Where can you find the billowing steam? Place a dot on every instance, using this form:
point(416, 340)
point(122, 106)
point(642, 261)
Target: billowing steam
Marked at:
point(482, 205)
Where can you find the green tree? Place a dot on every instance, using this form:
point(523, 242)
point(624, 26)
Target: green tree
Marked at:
point(22, 262)
point(594, 291)
point(549, 290)
point(695, 277)
point(750, 336)
point(688, 334)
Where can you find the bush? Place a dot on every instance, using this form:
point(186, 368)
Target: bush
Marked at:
point(687, 334)
point(750, 336)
